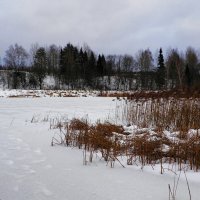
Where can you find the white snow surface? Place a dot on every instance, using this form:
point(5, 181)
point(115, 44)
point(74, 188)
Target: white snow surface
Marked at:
point(31, 169)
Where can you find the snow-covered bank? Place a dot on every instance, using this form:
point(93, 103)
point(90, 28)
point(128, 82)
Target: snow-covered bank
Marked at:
point(32, 169)
point(47, 93)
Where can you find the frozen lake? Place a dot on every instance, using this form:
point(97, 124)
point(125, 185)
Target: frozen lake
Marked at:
point(31, 169)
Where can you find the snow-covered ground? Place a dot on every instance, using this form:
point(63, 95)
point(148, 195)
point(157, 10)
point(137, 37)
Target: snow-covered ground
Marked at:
point(47, 93)
point(30, 168)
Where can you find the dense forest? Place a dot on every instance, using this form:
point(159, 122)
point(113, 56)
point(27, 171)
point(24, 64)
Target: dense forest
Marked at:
point(72, 67)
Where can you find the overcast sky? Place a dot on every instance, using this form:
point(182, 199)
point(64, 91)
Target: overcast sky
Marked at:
point(107, 26)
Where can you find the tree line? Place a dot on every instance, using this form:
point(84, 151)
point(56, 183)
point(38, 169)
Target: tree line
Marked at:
point(72, 67)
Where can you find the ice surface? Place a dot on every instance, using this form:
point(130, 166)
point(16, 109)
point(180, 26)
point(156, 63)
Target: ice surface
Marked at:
point(30, 168)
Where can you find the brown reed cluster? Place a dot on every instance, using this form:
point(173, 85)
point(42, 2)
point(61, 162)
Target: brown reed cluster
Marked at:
point(174, 118)
point(133, 95)
point(138, 146)
point(174, 114)
point(103, 138)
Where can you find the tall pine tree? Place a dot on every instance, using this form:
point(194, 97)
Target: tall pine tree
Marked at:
point(161, 71)
point(40, 65)
point(187, 77)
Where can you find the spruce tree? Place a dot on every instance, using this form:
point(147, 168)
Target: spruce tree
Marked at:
point(91, 70)
point(188, 79)
point(40, 65)
point(99, 66)
point(161, 70)
point(61, 71)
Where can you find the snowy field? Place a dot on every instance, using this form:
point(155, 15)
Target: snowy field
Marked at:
point(31, 169)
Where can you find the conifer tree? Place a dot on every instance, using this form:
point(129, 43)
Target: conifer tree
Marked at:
point(99, 66)
point(40, 65)
point(187, 76)
point(91, 69)
point(61, 70)
point(161, 70)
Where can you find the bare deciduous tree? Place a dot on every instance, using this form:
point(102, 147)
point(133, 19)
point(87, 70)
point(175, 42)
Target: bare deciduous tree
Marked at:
point(175, 68)
point(145, 60)
point(127, 63)
point(16, 57)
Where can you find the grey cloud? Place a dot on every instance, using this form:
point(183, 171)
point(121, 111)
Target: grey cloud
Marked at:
point(110, 26)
